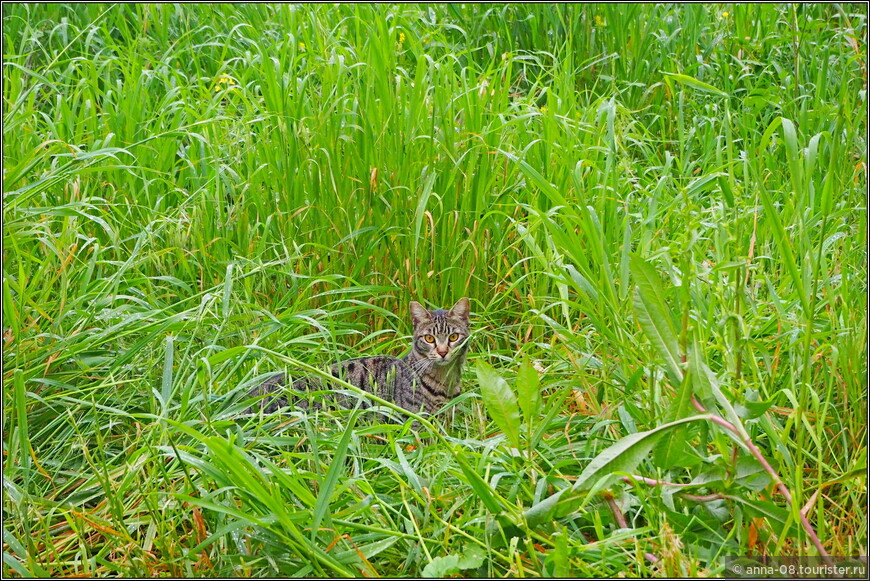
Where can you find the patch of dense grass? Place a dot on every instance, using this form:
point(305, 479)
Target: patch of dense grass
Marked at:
point(645, 203)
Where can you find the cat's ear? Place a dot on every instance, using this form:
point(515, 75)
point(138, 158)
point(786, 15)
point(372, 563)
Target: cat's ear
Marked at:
point(460, 309)
point(419, 314)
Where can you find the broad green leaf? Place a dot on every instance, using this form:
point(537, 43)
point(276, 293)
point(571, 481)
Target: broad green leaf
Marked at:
point(751, 474)
point(652, 313)
point(695, 83)
point(440, 567)
point(672, 448)
point(558, 505)
point(500, 401)
point(472, 557)
point(777, 517)
point(528, 390)
point(792, 154)
point(560, 554)
point(452, 564)
point(544, 510)
point(750, 408)
point(627, 453)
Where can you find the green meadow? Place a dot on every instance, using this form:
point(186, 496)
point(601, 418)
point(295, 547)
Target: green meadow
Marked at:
point(658, 212)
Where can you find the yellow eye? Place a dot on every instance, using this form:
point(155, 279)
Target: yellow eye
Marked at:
point(453, 337)
point(429, 339)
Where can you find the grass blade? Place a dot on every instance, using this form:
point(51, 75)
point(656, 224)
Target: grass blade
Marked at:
point(336, 467)
point(654, 317)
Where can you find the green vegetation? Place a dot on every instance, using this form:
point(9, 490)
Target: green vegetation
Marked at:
point(658, 212)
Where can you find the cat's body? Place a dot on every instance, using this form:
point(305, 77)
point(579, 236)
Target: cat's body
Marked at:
point(423, 380)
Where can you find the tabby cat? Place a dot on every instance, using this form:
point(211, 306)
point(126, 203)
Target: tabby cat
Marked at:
point(424, 379)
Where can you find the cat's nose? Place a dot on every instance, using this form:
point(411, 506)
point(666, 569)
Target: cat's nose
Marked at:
point(442, 351)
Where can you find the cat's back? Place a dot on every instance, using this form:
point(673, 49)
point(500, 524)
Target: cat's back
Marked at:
point(396, 380)
point(393, 379)
point(379, 374)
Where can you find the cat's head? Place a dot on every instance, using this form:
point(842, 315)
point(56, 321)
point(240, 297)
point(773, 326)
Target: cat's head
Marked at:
point(440, 335)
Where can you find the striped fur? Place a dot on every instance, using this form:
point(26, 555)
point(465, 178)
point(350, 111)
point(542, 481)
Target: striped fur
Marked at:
point(425, 379)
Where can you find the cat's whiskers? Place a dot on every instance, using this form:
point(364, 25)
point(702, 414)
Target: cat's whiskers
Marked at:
point(421, 365)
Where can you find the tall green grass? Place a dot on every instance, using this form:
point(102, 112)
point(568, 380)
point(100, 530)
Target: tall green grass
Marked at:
point(645, 204)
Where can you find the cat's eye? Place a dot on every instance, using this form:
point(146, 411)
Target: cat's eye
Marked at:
point(453, 337)
point(429, 339)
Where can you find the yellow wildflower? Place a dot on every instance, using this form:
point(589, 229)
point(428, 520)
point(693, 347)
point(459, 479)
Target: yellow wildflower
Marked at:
point(725, 15)
point(599, 22)
point(401, 37)
point(302, 47)
point(224, 79)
